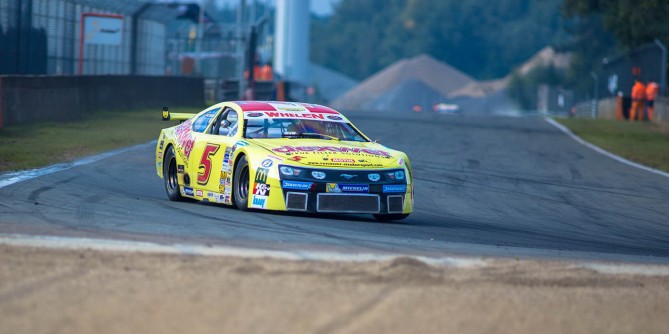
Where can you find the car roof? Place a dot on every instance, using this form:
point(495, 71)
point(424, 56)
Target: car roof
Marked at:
point(248, 106)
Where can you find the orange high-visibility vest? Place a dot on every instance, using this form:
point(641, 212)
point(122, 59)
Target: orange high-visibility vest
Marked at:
point(652, 90)
point(639, 91)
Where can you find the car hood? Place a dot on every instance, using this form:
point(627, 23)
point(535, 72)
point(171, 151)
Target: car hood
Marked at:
point(331, 153)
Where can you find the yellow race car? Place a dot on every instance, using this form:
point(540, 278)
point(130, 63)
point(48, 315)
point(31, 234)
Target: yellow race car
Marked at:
point(282, 156)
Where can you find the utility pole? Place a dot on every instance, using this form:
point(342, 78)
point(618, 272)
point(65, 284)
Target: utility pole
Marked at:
point(198, 43)
point(240, 48)
point(595, 95)
point(663, 66)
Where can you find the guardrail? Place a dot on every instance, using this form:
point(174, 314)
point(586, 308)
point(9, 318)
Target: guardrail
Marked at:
point(29, 99)
point(618, 108)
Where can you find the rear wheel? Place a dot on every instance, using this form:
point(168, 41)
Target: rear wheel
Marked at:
point(390, 217)
point(240, 184)
point(170, 176)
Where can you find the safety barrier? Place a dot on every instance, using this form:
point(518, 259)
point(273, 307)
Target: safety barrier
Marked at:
point(29, 99)
point(618, 108)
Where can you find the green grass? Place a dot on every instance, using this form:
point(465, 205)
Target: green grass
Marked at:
point(43, 144)
point(642, 142)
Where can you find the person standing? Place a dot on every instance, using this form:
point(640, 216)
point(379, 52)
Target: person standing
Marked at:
point(638, 100)
point(651, 94)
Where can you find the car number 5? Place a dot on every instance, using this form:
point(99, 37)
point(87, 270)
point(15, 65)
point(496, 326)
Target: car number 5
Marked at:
point(204, 170)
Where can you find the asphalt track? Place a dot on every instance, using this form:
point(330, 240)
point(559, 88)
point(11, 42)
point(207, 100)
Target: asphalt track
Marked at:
point(485, 186)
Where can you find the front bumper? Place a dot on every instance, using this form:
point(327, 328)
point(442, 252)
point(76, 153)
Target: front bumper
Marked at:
point(345, 198)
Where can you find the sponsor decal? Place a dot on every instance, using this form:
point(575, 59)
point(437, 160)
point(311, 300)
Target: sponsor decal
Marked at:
point(347, 176)
point(330, 149)
point(374, 177)
point(354, 188)
point(180, 169)
point(394, 188)
point(159, 164)
point(228, 180)
point(254, 114)
point(318, 175)
point(224, 175)
point(184, 137)
point(346, 188)
point(198, 193)
point(297, 185)
point(399, 175)
point(296, 158)
point(162, 142)
point(210, 194)
point(332, 164)
point(188, 191)
point(332, 188)
point(401, 161)
point(242, 143)
point(261, 175)
point(221, 187)
point(261, 189)
point(297, 114)
point(334, 117)
point(258, 202)
point(267, 163)
point(275, 157)
point(342, 160)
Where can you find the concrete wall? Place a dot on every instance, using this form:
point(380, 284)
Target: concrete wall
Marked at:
point(29, 99)
point(607, 109)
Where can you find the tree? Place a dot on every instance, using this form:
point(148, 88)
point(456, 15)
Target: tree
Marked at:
point(632, 22)
point(485, 39)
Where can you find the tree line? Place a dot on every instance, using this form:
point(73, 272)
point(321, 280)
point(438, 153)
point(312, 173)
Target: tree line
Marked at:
point(486, 39)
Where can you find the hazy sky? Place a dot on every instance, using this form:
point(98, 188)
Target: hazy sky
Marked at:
point(319, 7)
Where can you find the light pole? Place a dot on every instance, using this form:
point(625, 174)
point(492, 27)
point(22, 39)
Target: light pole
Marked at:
point(595, 100)
point(663, 66)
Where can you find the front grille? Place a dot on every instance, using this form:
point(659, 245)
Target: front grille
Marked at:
point(348, 203)
point(296, 201)
point(395, 204)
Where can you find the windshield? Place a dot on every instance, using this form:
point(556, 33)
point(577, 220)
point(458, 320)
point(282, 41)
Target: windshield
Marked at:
point(300, 128)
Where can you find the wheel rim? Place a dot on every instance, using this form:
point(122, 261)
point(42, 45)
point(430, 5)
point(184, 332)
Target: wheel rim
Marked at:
point(243, 184)
point(172, 180)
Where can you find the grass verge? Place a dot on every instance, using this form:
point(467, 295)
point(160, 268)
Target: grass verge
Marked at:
point(43, 144)
point(642, 142)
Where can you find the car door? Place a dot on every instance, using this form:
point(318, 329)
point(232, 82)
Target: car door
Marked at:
point(210, 177)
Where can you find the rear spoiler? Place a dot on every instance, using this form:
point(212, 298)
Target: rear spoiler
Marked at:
point(167, 116)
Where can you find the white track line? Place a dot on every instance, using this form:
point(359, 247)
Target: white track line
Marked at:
point(602, 151)
point(52, 242)
point(200, 250)
point(20, 176)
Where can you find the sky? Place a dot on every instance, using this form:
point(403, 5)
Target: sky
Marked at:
point(322, 7)
point(318, 7)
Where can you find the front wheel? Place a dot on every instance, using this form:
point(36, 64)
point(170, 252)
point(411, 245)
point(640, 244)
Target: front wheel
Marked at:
point(170, 176)
point(240, 184)
point(390, 217)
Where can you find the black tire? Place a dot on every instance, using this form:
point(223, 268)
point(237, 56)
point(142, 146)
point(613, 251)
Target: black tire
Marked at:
point(170, 176)
point(390, 217)
point(241, 184)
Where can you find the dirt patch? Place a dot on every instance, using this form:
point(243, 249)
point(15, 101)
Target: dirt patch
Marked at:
point(83, 291)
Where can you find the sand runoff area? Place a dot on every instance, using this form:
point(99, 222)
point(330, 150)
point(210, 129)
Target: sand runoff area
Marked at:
point(90, 291)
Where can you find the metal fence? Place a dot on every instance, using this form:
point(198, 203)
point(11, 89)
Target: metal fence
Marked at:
point(43, 37)
point(647, 63)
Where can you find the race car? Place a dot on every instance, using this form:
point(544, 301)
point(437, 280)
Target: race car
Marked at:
point(282, 156)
